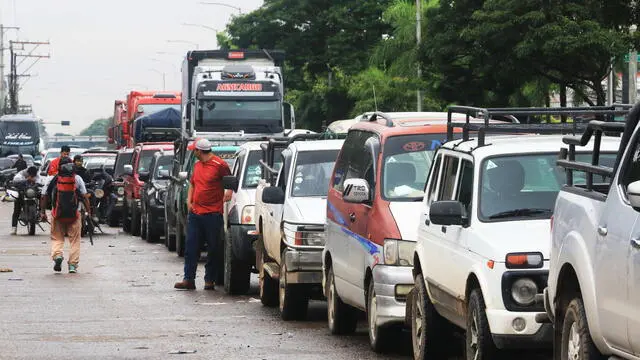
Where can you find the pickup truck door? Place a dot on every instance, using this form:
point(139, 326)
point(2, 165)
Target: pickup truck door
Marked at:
point(611, 250)
point(274, 219)
point(633, 286)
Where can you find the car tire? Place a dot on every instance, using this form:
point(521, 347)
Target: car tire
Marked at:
point(293, 298)
point(179, 239)
point(170, 239)
point(428, 329)
point(379, 336)
point(576, 339)
point(135, 221)
point(144, 217)
point(237, 274)
point(126, 222)
point(341, 318)
point(478, 340)
point(268, 286)
point(152, 234)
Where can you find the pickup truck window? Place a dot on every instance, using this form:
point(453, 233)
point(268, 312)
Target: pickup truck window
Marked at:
point(145, 160)
point(312, 172)
point(355, 160)
point(434, 180)
point(253, 170)
point(524, 186)
point(448, 180)
point(122, 160)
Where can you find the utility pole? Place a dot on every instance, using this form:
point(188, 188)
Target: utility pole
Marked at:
point(418, 42)
point(3, 29)
point(633, 71)
point(14, 88)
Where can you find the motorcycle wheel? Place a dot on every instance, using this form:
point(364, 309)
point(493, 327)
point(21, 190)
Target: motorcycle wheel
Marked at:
point(32, 228)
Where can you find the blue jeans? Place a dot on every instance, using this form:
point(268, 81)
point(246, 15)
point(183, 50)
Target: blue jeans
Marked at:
point(201, 228)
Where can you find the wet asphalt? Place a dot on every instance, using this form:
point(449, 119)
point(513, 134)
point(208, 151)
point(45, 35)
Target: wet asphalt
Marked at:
point(121, 305)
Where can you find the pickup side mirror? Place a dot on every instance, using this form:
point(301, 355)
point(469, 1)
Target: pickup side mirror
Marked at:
point(230, 182)
point(143, 176)
point(127, 170)
point(356, 191)
point(183, 176)
point(164, 174)
point(273, 195)
point(448, 212)
point(633, 191)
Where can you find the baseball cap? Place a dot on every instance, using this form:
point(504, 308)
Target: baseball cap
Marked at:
point(200, 144)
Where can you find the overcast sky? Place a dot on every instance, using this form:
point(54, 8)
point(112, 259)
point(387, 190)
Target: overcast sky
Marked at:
point(100, 50)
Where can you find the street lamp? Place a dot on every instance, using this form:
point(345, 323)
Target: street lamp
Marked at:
point(139, 86)
point(222, 4)
point(202, 26)
point(164, 75)
point(185, 42)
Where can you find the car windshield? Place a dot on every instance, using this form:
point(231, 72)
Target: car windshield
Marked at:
point(253, 170)
point(312, 173)
point(527, 185)
point(407, 160)
point(95, 162)
point(163, 163)
point(122, 160)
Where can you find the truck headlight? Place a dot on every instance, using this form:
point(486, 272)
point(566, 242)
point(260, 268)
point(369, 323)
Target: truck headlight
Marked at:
point(246, 218)
point(398, 252)
point(120, 191)
point(523, 291)
point(309, 238)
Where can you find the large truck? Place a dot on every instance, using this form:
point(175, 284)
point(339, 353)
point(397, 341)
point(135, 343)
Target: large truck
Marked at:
point(116, 131)
point(19, 134)
point(141, 103)
point(231, 92)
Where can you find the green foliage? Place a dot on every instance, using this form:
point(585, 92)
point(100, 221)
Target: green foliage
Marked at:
point(97, 127)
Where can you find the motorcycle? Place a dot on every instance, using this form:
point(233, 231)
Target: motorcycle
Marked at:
point(30, 212)
point(96, 192)
point(6, 176)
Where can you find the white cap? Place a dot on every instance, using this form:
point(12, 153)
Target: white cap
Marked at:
point(203, 144)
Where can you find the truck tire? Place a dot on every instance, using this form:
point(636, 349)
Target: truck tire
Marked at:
point(126, 222)
point(237, 274)
point(380, 337)
point(478, 340)
point(268, 286)
point(341, 318)
point(179, 239)
point(135, 221)
point(575, 330)
point(170, 239)
point(428, 328)
point(152, 234)
point(293, 298)
point(143, 223)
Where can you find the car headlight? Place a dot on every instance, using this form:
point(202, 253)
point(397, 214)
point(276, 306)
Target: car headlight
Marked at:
point(120, 191)
point(99, 193)
point(398, 252)
point(246, 217)
point(309, 238)
point(30, 193)
point(523, 291)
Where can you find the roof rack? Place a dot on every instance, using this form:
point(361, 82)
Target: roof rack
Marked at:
point(156, 134)
point(378, 114)
point(486, 115)
point(268, 151)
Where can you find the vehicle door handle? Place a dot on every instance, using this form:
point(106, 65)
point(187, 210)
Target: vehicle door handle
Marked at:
point(271, 213)
point(603, 230)
point(635, 243)
point(427, 222)
point(352, 217)
point(444, 229)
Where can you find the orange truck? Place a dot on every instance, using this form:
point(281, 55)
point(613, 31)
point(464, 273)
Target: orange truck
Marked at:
point(117, 132)
point(140, 103)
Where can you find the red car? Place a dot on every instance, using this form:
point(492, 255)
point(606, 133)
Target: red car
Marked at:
point(140, 161)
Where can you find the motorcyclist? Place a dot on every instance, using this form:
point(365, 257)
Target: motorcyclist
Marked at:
point(80, 169)
point(105, 206)
point(29, 175)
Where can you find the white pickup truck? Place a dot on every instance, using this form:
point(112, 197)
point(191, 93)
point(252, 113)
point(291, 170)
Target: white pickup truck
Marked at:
point(290, 222)
point(593, 293)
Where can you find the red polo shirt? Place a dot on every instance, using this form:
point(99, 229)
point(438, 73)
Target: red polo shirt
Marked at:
point(53, 166)
point(208, 192)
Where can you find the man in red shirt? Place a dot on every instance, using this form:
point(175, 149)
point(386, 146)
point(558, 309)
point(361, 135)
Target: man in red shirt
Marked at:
point(55, 163)
point(205, 201)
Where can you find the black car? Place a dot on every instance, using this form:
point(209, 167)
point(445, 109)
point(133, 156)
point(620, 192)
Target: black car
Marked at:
point(152, 196)
point(123, 158)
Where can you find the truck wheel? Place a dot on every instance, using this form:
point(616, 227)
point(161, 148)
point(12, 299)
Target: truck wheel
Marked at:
point(379, 336)
point(152, 234)
point(144, 218)
point(237, 274)
point(268, 286)
point(576, 338)
point(126, 222)
point(341, 318)
point(293, 298)
point(427, 325)
point(220, 257)
point(179, 239)
point(479, 343)
point(135, 221)
point(32, 228)
point(170, 239)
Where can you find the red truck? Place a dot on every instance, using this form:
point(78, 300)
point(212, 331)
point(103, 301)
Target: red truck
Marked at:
point(140, 161)
point(141, 103)
point(117, 132)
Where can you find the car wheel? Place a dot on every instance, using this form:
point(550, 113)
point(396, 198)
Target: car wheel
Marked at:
point(341, 318)
point(144, 218)
point(237, 274)
point(268, 286)
point(170, 239)
point(576, 339)
point(293, 298)
point(135, 221)
point(479, 343)
point(126, 222)
point(379, 336)
point(427, 326)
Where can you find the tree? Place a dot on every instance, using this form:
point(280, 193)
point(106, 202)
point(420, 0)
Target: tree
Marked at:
point(98, 127)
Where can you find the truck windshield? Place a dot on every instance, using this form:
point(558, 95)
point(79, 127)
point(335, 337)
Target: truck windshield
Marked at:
point(253, 170)
point(526, 186)
point(252, 116)
point(145, 160)
point(122, 160)
point(164, 163)
point(407, 160)
point(154, 108)
point(312, 173)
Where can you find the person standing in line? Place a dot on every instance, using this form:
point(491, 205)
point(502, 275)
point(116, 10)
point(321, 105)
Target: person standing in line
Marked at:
point(65, 150)
point(205, 201)
point(20, 164)
point(66, 190)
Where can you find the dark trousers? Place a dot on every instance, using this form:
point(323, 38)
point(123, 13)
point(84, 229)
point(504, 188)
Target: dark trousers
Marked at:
point(201, 228)
point(17, 206)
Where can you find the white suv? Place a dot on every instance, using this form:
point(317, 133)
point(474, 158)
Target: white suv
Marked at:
point(483, 242)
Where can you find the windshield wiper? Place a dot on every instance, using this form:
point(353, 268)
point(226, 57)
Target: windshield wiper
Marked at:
point(520, 212)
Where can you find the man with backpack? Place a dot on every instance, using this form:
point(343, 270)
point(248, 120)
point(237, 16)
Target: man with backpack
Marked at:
point(66, 190)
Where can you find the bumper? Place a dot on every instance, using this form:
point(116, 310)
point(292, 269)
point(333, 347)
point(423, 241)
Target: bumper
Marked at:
point(242, 243)
point(392, 285)
point(534, 335)
point(303, 266)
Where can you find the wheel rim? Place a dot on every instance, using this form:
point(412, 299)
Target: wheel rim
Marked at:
point(473, 339)
point(373, 315)
point(574, 345)
point(417, 330)
point(283, 285)
point(331, 309)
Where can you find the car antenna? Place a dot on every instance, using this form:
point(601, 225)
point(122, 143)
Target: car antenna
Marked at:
point(375, 100)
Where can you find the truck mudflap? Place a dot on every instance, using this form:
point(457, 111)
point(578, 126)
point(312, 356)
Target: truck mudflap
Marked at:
point(408, 314)
point(242, 242)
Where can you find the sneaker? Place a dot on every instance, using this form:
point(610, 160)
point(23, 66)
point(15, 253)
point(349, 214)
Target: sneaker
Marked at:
point(185, 285)
point(209, 285)
point(14, 230)
point(58, 264)
point(73, 269)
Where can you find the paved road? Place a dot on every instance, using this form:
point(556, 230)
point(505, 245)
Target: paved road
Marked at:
point(122, 305)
